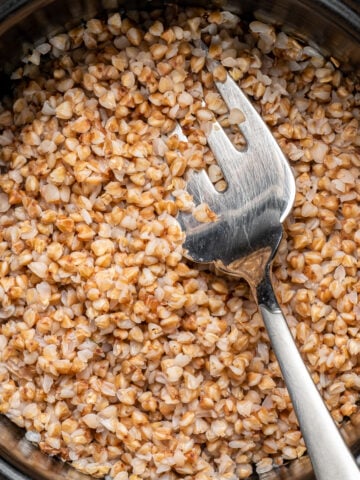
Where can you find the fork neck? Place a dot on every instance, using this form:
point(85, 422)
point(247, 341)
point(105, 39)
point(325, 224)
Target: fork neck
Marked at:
point(264, 293)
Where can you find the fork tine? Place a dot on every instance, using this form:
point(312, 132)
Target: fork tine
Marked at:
point(235, 98)
point(198, 183)
point(178, 131)
point(222, 148)
point(200, 187)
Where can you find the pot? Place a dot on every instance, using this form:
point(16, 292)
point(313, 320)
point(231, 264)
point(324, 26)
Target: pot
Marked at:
point(331, 26)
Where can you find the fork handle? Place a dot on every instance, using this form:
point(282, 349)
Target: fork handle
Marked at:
point(330, 457)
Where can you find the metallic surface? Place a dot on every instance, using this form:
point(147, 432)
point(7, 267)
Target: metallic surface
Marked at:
point(260, 194)
point(332, 25)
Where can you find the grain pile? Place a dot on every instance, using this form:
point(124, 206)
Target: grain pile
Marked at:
point(116, 354)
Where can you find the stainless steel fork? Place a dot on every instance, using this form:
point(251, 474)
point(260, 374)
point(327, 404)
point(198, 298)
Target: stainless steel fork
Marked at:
point(242, 242)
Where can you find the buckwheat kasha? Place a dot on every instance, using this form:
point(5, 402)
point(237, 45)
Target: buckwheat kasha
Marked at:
point(116, 354)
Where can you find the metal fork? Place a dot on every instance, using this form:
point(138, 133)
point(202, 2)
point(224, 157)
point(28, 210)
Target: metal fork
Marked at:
point(242, 242)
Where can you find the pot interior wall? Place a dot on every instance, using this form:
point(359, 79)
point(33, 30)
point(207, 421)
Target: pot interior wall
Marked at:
point(331, 25)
